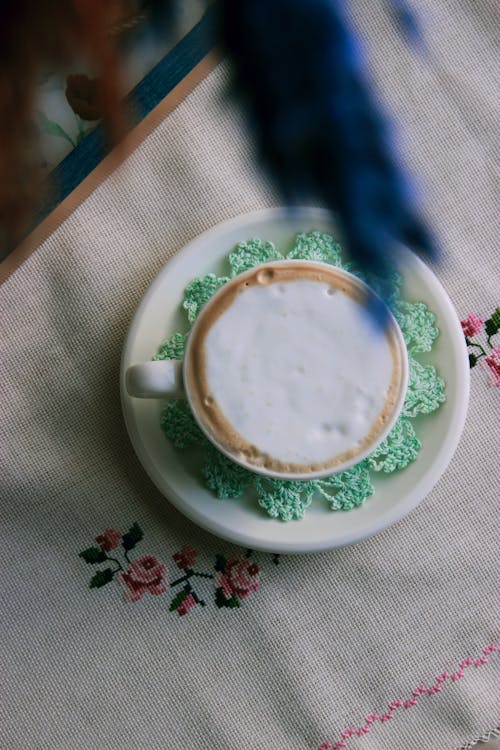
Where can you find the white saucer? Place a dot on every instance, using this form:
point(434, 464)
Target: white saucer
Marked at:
point(177, 473)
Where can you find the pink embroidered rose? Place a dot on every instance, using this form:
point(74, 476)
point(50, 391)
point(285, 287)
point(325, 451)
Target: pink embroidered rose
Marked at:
point(145, 574)
point(188, 603)
point(239, 577)
point(186, 558)
point(109, 540)
point(472, 325)
point(493, 363)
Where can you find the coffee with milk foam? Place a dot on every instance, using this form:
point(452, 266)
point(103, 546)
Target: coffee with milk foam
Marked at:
point(286, 371)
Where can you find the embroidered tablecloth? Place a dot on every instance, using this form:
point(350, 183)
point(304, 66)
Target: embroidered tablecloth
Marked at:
point(124, 626)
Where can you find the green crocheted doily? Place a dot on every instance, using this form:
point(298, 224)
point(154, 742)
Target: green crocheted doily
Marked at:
point(288, 500)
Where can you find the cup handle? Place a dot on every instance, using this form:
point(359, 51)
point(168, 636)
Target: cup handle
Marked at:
point(156, 379)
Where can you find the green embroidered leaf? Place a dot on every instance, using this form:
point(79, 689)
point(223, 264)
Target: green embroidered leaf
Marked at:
point(199, 291)
point(179, 425)
point(252, 253)
point(492, 325)
point(399, 449)
point(316, 246)
point(53, 128)
point(132, 537)
point(221, 600)
point(227, 479)
point(179, 598)
point(220, 563)
point(489, 327)
point(172, 348)
point(101, 578)
point(472, 360)
point(284, 499)
point(93, 555)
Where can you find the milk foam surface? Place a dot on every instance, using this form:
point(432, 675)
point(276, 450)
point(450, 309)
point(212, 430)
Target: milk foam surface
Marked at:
point(298, 370)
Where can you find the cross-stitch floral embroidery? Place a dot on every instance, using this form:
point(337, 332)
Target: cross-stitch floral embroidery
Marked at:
point(472, 325)
point(485, 351)
point(109, 540)
point(232, 580)
point(235, 580)
point(147, 574)
point(493, 362)
point(186, 558)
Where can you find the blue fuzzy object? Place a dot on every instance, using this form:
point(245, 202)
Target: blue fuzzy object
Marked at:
point(299, 69)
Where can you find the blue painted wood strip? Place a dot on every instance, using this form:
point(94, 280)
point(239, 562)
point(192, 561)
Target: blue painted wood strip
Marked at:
point(143, 98)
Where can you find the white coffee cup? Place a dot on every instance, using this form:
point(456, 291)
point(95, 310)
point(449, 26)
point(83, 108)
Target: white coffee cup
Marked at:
point(285, 372)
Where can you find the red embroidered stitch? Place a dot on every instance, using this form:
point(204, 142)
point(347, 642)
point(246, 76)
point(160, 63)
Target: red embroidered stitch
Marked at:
point(186, 558)
point(416, 693)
